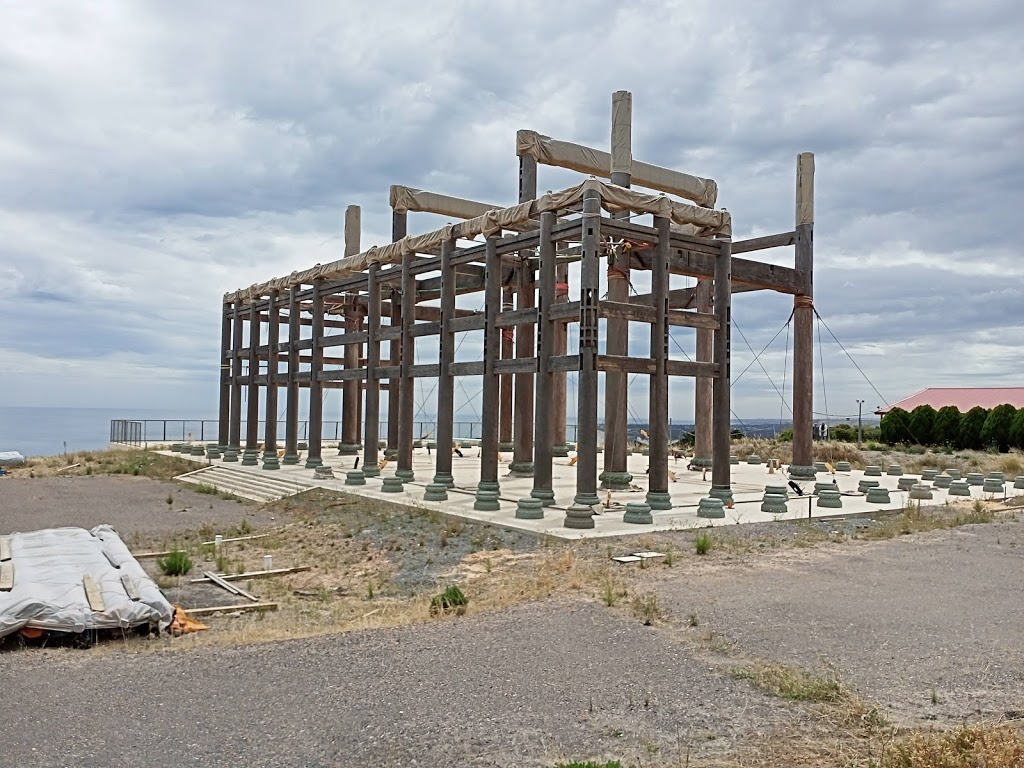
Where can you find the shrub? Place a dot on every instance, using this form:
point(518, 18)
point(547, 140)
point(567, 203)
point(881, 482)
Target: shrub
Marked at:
point(947, 425)
point(702, 544)
point(971, 425)
point(786, 436)
point(845, 432)
point(921, 425)
point(895, 427)
point(177, 563)
point(452, 600)
point(1017, 430)
point(995, 432)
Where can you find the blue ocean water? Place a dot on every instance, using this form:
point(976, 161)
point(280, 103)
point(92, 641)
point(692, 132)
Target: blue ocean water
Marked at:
point(51, 431)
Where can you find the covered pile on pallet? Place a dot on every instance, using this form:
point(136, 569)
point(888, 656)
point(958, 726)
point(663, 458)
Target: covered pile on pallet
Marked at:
point(77, 583)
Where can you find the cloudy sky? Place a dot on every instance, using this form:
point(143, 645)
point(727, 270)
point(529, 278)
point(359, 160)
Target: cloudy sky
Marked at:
point(155, 155)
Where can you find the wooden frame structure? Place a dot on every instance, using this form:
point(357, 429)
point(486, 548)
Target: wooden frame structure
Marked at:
point(384, 296)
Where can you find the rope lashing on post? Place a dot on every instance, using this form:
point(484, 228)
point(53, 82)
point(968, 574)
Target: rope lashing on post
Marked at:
point(561, 290)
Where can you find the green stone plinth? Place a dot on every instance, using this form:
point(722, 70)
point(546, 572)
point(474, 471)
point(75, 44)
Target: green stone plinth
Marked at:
point(371, 470)
point(213, 452)
point(444, 479)
point(777, 490)
point(290, 459)
point(920, 492)
point(906, 483)
point(942, 481)
point(975, 478)
point(270, 460)
point(390, 454)
point(250, 457)
point(504, 447)
point(348, 449)
point(586, 500)
point(843, 466)
point(355, 477)
point(529, 509)
point(312, 462)
point(199, 450)
point(734, 459)
point(405, 475)
point(545, 496)
point(323, 472)
point(830, 500)
point(176, 447)
point(521, 469)
point(819, 466)
point(928, 475)
point(711, 508)
point(392, 485)
point(863, 485)
point(1018, 482)
point(952, 472)
point(1000, 476)
point(231, 453)
point(819, 487)
point(753, 459)
point(616, 481)
point(959, 488)
point(894, 469)
point(436, 492)
point(486, 501)
point(580, 515)
point(658, 500)
point(774, 503)
point(872, 471)
point(802, 472)
point(489, 485)
point(560, 451)
point(878, 496)
point(724, 494)
point(993, 486)
point(638, 514)
point(302, 446)
point(704, 462)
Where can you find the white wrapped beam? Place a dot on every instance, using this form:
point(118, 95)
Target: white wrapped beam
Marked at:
point(594, 162)
point(706, 222)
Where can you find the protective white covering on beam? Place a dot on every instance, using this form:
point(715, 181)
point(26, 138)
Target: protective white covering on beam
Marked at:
point(353, 222)
point(405, 199)
point(622, 132)
point(594, 162)
point(805, 188)
point(49, 593)
point(707, 222)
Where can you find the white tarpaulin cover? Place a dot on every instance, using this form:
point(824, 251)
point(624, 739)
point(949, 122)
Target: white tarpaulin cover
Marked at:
point(11, 459)
point(49, 576)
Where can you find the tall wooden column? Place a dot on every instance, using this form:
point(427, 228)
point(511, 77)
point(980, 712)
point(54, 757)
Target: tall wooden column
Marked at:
point(351, 412)
point(270, 460)
point(488, 488)
point(542, 470)
point(291, 406)
point(802, 467)
point(224, 382)
point(559, 380)
point(505, 396)
point(657, 493)
point(702, 410)
point(235, 430)
point(406, 401)
point(445, 382)
point(399, 229)
point(250, 457)
point(721, 400)
point(616, 383)
point(371, 444)
point(580, 513)
point(314, 456)
point(522, 420)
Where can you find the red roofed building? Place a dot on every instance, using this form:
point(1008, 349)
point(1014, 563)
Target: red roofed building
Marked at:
point(963, 398)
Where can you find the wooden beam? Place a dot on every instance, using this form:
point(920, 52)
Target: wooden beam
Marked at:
point(255, 574)
point(243, 608)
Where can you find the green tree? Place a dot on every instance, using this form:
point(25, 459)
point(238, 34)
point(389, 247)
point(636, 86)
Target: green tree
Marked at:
point(995, 432)
point(845, 432)
point(947, 425)
point(922, 423)
point(970, 428)
point(894, 426)
point(1017, 430)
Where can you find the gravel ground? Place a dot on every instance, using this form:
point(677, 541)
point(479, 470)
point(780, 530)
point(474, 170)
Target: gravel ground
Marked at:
point(905, 620)
point(133, 505)
point(531, 687)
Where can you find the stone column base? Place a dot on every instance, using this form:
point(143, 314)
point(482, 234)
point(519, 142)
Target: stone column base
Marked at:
point(312, 462)
point(443, 479)
point(560, 451)
point(580, 516)
point(802, 472)
point(711, 508)
point(436, 492)
point(349, 449)
point(486, 500)
point(371, 470)
point(529, 509)
point(250, 457)
point(290, 459)
point(546, 496)
point(270, 460)
point(405, 475)
point(659, 500)
point(639, 514)
point(521, 469)
point(615, 481)
point(355, 477)
point(724, 494)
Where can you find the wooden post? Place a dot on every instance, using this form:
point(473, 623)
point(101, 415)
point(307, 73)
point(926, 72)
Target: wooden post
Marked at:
point(270, 460)
point(488, 488)
point(657, 493)
point(522, 420)
point(721, 401)
point(399, 229)
point(314, 456)
point(250, 457)
point(350, 406)
point(235, 431)
point(372, 434)
point(580, 513)
point(446, 382)
point(559, 380)
point(507, 352)
point(406, 402)
point(542, 477)
point(702, 410)
point(802, 467)
point(224, 410)
point(616, 476)
point(291, 408)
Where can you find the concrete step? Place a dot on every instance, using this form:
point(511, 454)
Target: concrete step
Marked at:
point(248, 485)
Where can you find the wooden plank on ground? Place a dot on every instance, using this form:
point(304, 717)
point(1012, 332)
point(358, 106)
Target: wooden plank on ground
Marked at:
point(236, 538)
point(231, 608)
point(233, 589)
point(6, 576)
point(93, 594)
point(5, 548)
point(130, 587)
point(256, 574)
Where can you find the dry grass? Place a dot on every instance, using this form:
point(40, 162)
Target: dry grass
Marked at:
point(793, 683)
point(917, 519)
point(969, 746)
point(113, 462)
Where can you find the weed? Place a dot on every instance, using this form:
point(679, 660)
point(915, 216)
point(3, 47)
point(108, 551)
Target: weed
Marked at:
point(702, 543)
point(169, 499)
point(993, 746)
point(670, 558)
point(693, 621)
point(646, 608)
point(177, 563)
point(369, 591)
point(488, 565)
point(88, 470)
point(223, 564)
point(935, 695)
point(452, 600)
point(793, 683)
point(244, 527)
point(590, 764)
point(205, 488)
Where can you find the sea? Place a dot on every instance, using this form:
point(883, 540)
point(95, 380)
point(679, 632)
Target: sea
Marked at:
point(44, 431)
